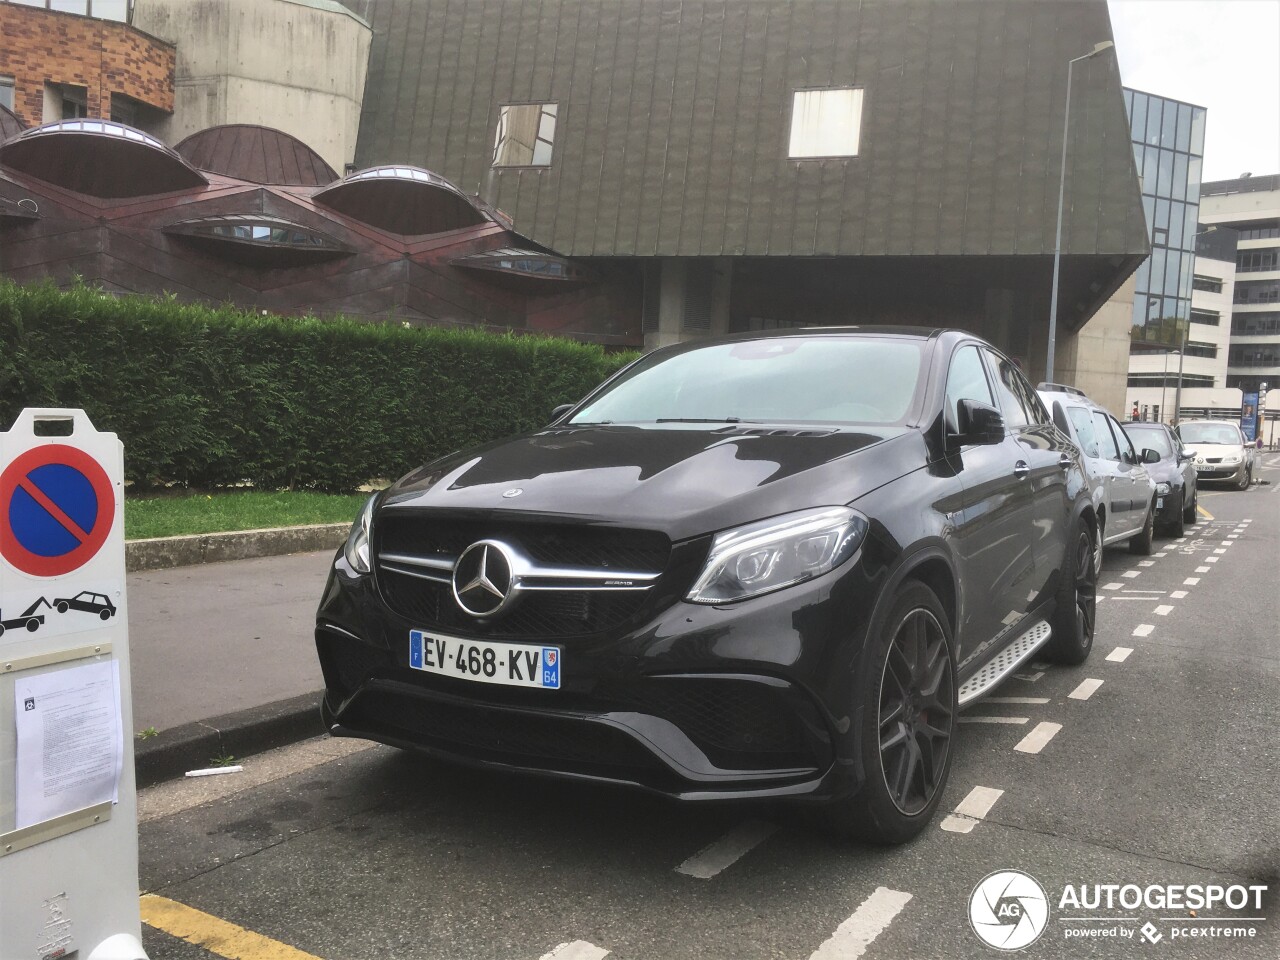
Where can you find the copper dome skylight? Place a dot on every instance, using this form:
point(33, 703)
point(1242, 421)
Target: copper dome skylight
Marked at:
point(256, 154)
point(524, 266)
point(99, 158)
point(404, 200)
point(259, 240)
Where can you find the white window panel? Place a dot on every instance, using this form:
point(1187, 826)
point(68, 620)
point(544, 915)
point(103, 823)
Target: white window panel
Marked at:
point(826, 123)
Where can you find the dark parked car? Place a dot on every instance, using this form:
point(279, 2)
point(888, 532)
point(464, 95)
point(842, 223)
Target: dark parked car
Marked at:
point(1174, 474)
point(765, 566)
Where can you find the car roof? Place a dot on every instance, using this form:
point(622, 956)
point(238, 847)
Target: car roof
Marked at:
point(921, 333)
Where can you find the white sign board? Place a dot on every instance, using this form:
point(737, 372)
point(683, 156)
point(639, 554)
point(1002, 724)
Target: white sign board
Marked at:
point(68, 809)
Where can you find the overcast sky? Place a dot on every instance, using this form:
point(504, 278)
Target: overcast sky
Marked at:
point(1223, 55)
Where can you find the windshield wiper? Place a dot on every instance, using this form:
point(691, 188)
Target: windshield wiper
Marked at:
point(703, 420)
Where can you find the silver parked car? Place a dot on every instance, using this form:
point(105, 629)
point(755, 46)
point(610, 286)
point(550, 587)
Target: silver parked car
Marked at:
point(1220, 449)
point(1124, 495)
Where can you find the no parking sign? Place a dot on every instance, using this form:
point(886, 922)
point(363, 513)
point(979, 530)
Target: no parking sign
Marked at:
point(68, 812)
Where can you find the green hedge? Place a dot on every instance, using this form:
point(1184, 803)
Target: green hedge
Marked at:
point(212, 397)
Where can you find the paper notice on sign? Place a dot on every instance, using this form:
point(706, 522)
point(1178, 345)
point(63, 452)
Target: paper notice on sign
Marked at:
point(70, 741)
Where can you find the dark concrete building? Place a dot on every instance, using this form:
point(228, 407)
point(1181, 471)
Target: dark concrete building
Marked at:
point(775, 163)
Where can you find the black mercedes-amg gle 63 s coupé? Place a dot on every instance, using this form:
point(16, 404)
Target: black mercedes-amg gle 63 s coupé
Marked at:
point(769, 566)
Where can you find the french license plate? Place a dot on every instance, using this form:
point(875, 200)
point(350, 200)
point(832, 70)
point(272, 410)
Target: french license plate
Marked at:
point(511, 664)
point(1159, 502)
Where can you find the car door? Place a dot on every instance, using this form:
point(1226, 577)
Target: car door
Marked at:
point(1119, 489)
point(1043, 461)
point(994, 560)
point(1139, 486)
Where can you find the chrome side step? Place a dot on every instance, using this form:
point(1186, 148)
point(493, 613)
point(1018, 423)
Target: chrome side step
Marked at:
point(1004, 663)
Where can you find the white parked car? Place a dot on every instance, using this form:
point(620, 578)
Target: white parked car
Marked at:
point(1220, 449)
point(1124, 495)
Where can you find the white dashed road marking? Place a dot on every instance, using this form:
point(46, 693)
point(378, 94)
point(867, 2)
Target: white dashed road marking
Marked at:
point(577, 950)
point(1190, 581)
point(1219, 551)
point(1119, 654)
point(1203, 569)
point(1017, 700)
point(1159, 555)
point(1143, 629)
point(1131, 573)
point(711, 859)
point(1146, 563)
point(1015, 721)
point(971, 809)
point(1163, 610)
point(1085, 690)
point(1113, 586)
point(1035, 741)
point(1226, 543)
point(852, 937)
point(1210, 559)
point(1177, 595)
point(1029, 677)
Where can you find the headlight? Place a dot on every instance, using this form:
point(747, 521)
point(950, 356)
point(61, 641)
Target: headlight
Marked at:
point(772, 554)
point(357, 548)
point(1231, 459)
point(1162, 488)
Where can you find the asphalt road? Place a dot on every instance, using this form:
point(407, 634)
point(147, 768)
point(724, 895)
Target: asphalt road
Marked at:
point(1163, 770)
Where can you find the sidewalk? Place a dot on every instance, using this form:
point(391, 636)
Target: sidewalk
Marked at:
point(223, 659)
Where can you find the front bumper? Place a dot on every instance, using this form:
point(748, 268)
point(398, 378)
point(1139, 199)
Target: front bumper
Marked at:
point(1209, 472)
point(750, 700)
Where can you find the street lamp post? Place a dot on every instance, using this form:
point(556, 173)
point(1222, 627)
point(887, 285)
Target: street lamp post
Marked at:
point(1186, 334)
point(1062, 189)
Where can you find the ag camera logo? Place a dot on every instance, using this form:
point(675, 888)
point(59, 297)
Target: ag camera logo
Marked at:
point(1008, 910)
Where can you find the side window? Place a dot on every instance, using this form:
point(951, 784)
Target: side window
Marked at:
point(1122, 438)
point(1031, 400)
point(1085, 431)
point(1106, 442)
point(966, 380)
point(1009, 391)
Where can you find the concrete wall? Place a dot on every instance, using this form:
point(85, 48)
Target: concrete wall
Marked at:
point(1096, 359)
point(291, 65)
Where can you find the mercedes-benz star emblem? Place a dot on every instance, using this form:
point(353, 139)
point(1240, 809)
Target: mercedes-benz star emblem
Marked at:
point(513, 492)
point(482, 579)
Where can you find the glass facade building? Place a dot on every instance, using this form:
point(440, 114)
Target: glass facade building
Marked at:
point(1168, 147)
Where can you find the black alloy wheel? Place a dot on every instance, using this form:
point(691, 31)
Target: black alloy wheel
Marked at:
point(1189, 511)
point(916, 697)
point(1075, 618)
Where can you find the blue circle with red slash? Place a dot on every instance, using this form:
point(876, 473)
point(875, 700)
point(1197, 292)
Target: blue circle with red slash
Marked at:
point(57, 506)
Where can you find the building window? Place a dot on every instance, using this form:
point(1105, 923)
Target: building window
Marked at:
point(1254, 355)
point(1253, 261)
point(526, 135)
point(1257, 291)
point(1209, 318)
point(1255, 324)
point(6, 92)
point(826, 123)
point(102, 9)
point(1259, 232)
point(1210, 284)
point(1170, 380)
point(1195, 349)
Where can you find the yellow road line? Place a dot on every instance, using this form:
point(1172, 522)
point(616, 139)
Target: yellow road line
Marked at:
point(1207, 514)
point(213, 934)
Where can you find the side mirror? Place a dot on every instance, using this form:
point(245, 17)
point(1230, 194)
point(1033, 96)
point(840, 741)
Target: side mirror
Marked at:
point(560, 411)
point(1150, 456)
point(980, 423)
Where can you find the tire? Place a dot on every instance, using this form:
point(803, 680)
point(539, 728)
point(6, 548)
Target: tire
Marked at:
point(1098, 548)
point(905, 691)
point(1075, 613)
point(1141, 542)
point(105, 615)
point(62, 607)
point(32, 625)
point(1, 629)
point(1245, 480)
point(1177, 526)
point(1189, 515)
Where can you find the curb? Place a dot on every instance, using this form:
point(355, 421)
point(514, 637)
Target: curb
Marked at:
point(241, 734)
point(163, 552)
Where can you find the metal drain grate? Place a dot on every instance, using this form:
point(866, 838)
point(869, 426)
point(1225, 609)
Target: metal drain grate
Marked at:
point(1004, 663)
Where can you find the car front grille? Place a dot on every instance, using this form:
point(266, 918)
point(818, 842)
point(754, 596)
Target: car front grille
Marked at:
point(416, 552)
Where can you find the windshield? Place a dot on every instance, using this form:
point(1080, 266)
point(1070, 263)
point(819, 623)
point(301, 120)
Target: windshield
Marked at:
point(846, 380)
point(1151, 438)
point(1209, 433)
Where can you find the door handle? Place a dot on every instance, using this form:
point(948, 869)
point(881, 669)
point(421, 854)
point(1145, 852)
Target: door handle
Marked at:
point(1021, 470)
point(1065, 461)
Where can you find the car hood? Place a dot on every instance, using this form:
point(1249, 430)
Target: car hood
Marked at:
point(684, 481)
point(1164, 471)
point(1215, 449)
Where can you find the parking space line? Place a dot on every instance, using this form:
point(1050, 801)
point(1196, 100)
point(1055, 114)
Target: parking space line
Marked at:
point(1036, 740)
point(1112, 586)
point(1203, 569)
point(1131, 573)
point(1014, 721)
point(576, 950)
point(1233, 536)
point(1159, 555)
point(1164, 610)
point(219, 937)
point(1146, 563)
point(726, 851)
point(1219, 551)
point(1226, 543)
point(1204, 512)
point(1178, 595)
point(1190, 581)
point(1210, 559)
point(1029, 677)
point(1016, 700)
point(1143, 629)
point(1119, 654)
point(1085, 690)
point(873, 915)
point(971, 810)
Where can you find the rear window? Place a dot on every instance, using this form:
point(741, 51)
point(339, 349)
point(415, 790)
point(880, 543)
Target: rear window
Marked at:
point(845, 380)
